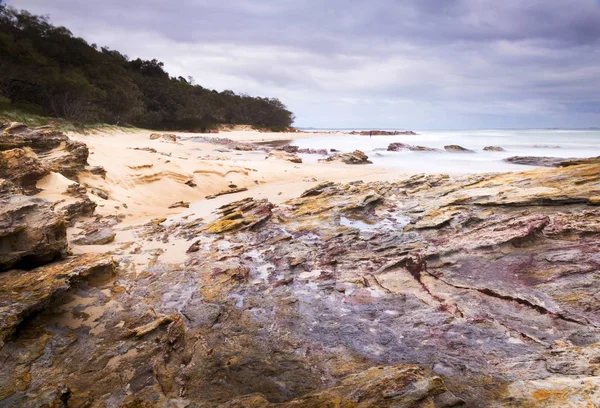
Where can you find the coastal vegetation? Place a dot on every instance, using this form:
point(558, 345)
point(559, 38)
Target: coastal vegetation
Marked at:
point(46, 71)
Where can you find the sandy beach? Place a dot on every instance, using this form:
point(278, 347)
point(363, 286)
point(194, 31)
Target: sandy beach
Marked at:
point(142, 184)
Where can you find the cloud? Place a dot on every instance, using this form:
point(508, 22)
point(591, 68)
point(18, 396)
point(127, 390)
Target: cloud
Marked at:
point(351, 63)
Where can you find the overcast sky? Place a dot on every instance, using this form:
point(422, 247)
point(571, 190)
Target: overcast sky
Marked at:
point(419, 64)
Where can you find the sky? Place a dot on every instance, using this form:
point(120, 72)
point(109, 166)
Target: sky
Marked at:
point(411, 64)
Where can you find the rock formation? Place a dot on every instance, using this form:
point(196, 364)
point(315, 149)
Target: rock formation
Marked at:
point(396, 147)
point(282, 155)
point(356, 157)
point(493, 149)
point(429, 291)
point(457, 149)
point(544, 161)
point(31, 233)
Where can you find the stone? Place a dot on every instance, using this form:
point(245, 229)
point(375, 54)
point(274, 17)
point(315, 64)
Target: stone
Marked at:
point(98, 171)
point(23, 293)
point(31, 234)
point(72, 161)
point(100, 193)
point(545, 161)
point(493, 149)
point(17, 135)
point(180, 204)
point(191, 183)
point(155, 136)
point(170, 138)
point(356, 157)
point(22, 167)
point(100, 236)
point(224, 192)
point(427, 291)
point(457, 149)
point(396, 147)
point(282, 155)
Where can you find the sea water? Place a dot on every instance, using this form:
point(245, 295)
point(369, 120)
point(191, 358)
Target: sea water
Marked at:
point(539, 142)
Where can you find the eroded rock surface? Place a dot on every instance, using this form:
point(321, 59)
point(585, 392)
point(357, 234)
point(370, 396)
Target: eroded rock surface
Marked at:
point(355, 157)
point(482, 289)
point(31, 233)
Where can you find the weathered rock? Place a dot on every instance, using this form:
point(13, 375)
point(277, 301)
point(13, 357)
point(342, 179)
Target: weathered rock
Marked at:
point(377, 387)
point(493, 149)
point(490, 281)
point(356, 157)
point(31, 233)
point(180, 204)
point(544, 161)
point(17, 135)
point(282, 155)
point(23, 293)
point(68, 157)
point(322, 152)
point(243, 214)
point(155, 136)
point(22, 167)
point(73, 160)
point(457, 149)
point(288, 148)
point(98, 171)
point(223, 192)
point(170, 137)
point(100, 236)
point(191, 183)
point(396, 147)
point(100, 193)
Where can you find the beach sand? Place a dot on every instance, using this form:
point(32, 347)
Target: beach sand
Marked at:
point(144, 176)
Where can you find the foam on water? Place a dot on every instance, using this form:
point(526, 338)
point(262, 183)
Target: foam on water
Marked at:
point(555, 143)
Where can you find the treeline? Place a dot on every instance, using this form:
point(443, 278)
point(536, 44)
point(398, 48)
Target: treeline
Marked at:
point(46, 70)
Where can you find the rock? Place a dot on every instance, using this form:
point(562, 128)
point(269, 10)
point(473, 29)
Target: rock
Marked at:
point(100, 236)
point(356, 157)
point(31, 234)
point(170, 138)
point(72, 162)
point(191, 183)
point(322, 152)
point(377, 387)
point(23, 293)
point(395, 147)
point(180, 204)
point(282, 155)
point(493, 149)
point(544, 161)
point(22, 167)
point(155, 136)
point(457, 149)
point(69, 157)
point(427, 291)
point(288, 148)
point(100, 193)
point(223, 192)
point(243, 214)
point(82, 207)
point(244, 147)
point(42, 139)
point(98, 171)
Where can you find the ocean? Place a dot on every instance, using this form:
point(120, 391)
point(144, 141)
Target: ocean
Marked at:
point(530, 142)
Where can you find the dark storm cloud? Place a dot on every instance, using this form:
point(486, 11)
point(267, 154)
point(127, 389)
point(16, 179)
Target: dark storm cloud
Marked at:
point(461, 60)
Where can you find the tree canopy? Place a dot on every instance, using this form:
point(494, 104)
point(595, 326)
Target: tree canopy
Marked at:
point(45, 69)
